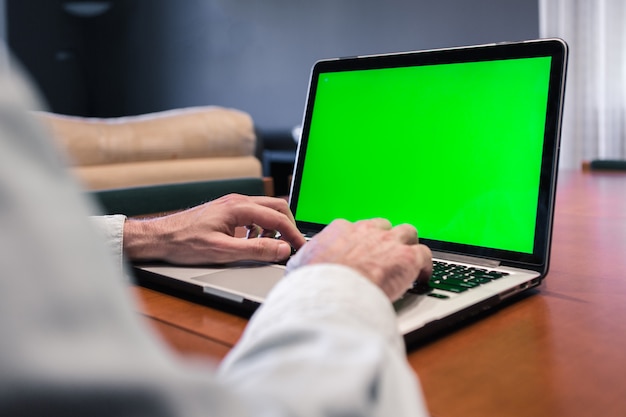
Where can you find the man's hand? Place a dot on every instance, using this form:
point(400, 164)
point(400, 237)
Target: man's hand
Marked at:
point(206, 233)
point(391, 258)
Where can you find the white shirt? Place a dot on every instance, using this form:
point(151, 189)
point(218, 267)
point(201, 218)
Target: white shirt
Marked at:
point(325, 343)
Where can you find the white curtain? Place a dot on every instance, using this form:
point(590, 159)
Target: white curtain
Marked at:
point(594, 121)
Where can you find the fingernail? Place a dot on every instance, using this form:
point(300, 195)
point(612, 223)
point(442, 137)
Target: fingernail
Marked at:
point(284, 250)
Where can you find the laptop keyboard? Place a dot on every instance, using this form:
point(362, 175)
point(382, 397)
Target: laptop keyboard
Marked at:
point(455, 278)
point(447, 277)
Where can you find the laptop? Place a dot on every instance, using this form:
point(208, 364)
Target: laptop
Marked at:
point(463, 143)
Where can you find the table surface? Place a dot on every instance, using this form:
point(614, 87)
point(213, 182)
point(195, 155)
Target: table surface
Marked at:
point(558, 352)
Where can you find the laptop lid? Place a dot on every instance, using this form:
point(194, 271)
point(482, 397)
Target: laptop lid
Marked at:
point(462, 143)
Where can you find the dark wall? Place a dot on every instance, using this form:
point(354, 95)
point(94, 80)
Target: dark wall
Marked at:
point(148, 55)
point(78, 55)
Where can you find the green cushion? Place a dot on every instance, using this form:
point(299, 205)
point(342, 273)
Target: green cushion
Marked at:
point(151, 199)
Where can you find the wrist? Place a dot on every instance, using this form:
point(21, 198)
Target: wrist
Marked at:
point(142, 240)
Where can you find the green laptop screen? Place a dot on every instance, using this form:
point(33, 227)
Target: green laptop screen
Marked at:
point(454, 149)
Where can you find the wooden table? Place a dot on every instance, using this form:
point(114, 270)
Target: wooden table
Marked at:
point(558, 352)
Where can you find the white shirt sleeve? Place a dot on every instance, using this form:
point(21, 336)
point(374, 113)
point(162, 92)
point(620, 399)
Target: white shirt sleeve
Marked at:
point(325, 343)
point(112, 229)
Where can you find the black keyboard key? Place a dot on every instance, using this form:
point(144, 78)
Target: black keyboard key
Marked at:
point(447, 287)
point(460, 282)
point(437, 295)
point(480, 280)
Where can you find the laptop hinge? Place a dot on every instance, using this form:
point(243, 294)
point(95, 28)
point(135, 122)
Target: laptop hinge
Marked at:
point(466, 259)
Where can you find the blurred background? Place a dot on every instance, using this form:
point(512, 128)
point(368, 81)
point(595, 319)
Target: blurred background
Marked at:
point(122, 57)
point(126, 57)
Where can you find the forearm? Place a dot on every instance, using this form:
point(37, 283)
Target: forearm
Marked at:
point(144, 240)
point(134, 239)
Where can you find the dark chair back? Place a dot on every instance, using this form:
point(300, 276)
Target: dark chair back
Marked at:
point(154, 199)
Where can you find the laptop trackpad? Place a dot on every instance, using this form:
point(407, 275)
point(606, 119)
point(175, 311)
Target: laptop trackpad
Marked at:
point(251, 282)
